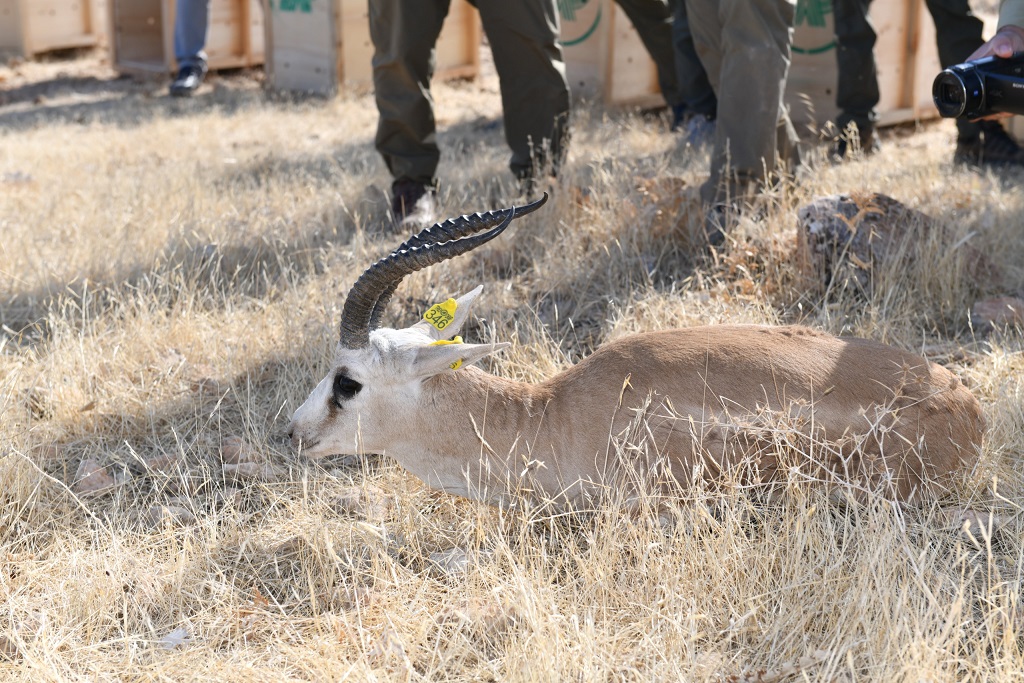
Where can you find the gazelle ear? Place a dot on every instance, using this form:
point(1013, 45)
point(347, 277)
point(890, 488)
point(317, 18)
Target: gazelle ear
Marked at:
point(437, 358)
point(444, 320)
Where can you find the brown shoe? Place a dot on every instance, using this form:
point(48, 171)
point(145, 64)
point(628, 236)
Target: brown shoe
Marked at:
point(413, 204)
point(853, 141)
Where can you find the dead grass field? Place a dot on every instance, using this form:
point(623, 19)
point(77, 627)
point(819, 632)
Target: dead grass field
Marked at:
point(171, 278)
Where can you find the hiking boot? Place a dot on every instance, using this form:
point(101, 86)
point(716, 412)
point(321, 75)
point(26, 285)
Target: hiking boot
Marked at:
point(700, 131)
point(678, 118)
point(854, 140)
point(413, 204)
point(715, 220)
point(188, 80)
point(992, 147)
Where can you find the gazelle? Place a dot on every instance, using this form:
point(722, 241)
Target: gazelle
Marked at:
point(714, 402)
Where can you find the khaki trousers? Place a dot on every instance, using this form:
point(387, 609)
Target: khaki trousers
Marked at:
point(745, 48)
point(523, 35)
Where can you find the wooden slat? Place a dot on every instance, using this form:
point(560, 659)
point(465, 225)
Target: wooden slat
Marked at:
point(301, 60)
point(28, 27)
point(905, 53)
point(605, 58)
point(633, 76)
point(143, 34)
point(301, 48)
point(10, 27)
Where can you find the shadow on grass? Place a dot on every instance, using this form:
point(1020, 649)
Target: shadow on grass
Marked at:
point(254, 265)
point(126, 101)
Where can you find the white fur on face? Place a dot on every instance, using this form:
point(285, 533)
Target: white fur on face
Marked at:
point(369, 421)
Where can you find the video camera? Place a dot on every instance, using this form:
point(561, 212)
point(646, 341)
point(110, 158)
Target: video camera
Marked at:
point(985, 86)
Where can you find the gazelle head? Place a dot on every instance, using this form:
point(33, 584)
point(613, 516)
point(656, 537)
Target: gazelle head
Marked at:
point(376, 379)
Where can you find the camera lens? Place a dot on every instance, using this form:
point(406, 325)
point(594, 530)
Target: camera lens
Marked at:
point(950, 94)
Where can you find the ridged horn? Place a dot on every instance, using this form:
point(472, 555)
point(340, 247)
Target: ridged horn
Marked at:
point(369, 296)
point(451, 229)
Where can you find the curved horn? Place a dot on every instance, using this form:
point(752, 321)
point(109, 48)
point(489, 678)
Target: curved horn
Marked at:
point(451, 229)
point(370, 294)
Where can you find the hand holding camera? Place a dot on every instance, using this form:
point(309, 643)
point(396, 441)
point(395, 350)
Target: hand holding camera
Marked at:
point(987, 86)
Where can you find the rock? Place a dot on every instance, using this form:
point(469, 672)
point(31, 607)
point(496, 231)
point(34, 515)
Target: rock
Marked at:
point(389, 651)
point(843, 238)
point(368, 502)
point(174, 639)
point(352, 597)
point(977, 527)
point(92, 478)
point(174, 515)
point(486, 616)
point(997, 313)
point(253, 471)
point(228, 496)
point(235, 450)
point(456, 561)
point(48, 451)
point(169, 463)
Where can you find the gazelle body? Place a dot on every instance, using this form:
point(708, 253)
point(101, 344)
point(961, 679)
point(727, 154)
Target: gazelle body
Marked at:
point(714, 402)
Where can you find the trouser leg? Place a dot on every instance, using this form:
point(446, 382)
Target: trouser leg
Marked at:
point(745, 47)
point(694, 87)
point(404, 33)
point(958, 33)
point(857, 77)
point(653, 21)
point(191, 20)
point(523, 35)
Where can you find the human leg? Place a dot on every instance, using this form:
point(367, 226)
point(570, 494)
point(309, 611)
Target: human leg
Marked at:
point(404, 33)
point(745, 48)
point(857, 76)
point(534, 91)
point(652, 20)
point(191, 20)
point(700, 105)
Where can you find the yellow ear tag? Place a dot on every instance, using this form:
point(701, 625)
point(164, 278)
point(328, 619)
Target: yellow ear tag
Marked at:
point(457, 340)
point(441, 315)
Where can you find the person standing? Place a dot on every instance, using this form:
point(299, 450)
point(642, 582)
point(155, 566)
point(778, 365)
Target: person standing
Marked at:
point(698, 106)
point(958, 34)
point(745, 46)
point(1009, 39)
point(191, 21)
point(523, 35)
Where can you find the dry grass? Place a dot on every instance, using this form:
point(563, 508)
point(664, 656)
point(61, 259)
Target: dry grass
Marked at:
point(171, 274)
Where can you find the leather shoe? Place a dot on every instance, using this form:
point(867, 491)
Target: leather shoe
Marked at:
point(188, 81)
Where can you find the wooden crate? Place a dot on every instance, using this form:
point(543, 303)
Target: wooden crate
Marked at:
point(29, 27)
point(318, 45)
point(143, 35)
point(605, 59)
point(905, 53)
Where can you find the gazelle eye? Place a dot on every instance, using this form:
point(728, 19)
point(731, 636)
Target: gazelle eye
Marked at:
point(345, 388)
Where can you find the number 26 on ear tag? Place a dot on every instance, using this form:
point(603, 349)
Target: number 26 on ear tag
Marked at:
point(441, 315)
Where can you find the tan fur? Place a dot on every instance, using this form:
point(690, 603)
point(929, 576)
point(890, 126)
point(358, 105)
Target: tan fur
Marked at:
point(871, 414)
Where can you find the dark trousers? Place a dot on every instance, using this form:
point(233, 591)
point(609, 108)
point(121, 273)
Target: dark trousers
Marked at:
point(523, 35)
point(958, 34)
point(695, 91)
point(665, 32)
